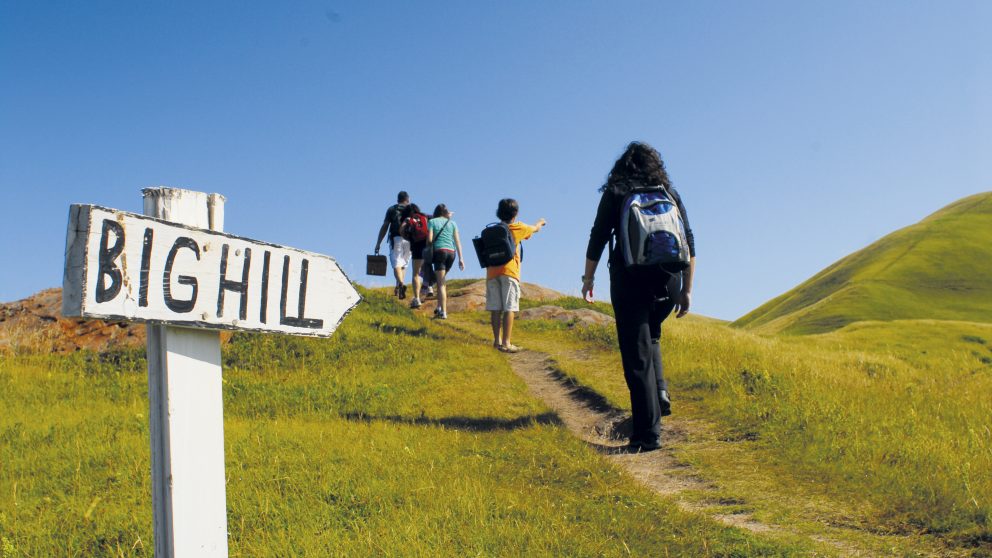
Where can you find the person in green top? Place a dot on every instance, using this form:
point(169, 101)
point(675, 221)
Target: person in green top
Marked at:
point(443, 240)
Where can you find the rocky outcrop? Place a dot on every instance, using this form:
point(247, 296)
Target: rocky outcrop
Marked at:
point(36, 323)
point(580, 316)
point(472, 297)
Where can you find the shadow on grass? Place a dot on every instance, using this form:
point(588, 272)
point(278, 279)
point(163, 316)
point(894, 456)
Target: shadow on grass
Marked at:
point(481, 424)
point(582, 394)
point(403, 330)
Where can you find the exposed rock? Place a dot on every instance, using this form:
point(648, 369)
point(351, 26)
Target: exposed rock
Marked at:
point(581, 316)
point(472, 297)
point(36, 323)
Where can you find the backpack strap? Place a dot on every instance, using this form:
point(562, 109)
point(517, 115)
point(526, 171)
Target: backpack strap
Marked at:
point(438, 235)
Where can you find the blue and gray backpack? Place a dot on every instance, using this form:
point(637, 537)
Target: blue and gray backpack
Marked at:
point(651, 231)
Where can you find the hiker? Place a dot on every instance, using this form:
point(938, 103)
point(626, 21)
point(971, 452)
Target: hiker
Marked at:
point(642, 296)
point(399, 247)
point(503, 282)
point(443, 243)
point(414, 229)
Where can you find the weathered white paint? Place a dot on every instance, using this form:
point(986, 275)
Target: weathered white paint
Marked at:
point(189, 503)
point(187, 294)
point(117, 266)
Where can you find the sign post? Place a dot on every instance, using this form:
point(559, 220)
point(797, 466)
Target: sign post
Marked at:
point(189, 501)
point(174, 269)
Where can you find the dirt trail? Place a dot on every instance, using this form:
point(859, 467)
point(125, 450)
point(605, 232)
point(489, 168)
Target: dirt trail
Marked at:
point(601, 426)
point(590, 417)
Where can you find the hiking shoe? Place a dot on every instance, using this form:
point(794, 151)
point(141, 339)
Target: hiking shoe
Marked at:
point(415, 303)
point(442, 316)
point(666, 403)
point(511, 348)
point(637, 446)
point(437, 311)
point(402, 291)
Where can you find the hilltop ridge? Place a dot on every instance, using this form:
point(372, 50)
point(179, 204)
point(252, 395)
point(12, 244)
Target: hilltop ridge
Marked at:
point(939, 268)
point(36, 322)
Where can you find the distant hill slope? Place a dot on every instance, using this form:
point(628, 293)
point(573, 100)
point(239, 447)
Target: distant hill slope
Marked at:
point(939, 268)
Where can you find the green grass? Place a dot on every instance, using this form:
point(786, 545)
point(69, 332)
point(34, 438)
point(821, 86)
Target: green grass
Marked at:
point(936, 269)
point(885, 424)
point(397, 436)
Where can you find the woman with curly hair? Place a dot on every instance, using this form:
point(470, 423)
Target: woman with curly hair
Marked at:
point(642, 298)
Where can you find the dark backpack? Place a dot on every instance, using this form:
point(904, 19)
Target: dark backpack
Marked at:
point(495, 245)
point(416, 227)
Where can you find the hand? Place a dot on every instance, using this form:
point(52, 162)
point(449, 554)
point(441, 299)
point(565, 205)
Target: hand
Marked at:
point(587, 291)
point(461, 264)
point(376, 249)
point(541, 222)
point(682, 306)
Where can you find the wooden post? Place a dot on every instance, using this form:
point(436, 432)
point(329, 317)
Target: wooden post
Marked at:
point(186, 409)
point(174, 269)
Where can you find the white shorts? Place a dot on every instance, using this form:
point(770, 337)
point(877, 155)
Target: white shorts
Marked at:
point(503, 294)
point(399, 256)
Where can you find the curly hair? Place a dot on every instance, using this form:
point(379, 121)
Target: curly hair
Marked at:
point(641, 165)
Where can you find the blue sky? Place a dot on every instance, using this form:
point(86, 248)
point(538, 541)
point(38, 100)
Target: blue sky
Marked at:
point(797, 132)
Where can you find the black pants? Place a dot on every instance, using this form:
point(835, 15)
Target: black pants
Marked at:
point(641, 303)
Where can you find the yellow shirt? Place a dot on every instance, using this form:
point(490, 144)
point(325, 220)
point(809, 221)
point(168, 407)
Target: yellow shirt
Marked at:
point(521, 231)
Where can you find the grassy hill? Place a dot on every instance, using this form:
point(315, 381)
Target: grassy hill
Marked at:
point(882, 427)
point(405, 436)
point(399, 436)
point(938, 269)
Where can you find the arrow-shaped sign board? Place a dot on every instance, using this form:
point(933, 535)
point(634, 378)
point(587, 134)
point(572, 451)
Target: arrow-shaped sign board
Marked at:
point(124, 266)
point(181, 276)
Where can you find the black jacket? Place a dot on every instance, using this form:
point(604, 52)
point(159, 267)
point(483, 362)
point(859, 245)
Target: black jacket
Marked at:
point(608, 218)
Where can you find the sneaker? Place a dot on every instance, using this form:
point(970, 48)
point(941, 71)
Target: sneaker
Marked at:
point(442, 316)
point(415, 303)
point(430, 291)
point(511, 348)
point(437, 311)
point(666, 403)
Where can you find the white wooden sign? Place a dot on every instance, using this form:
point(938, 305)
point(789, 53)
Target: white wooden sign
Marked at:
point(123, 266)
point(176, 271)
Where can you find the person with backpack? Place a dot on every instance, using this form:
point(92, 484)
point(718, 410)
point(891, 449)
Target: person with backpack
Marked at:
point(414, 229)
point(399, 247)
point(443, 244)
point(502, 240)
point(651, 262)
